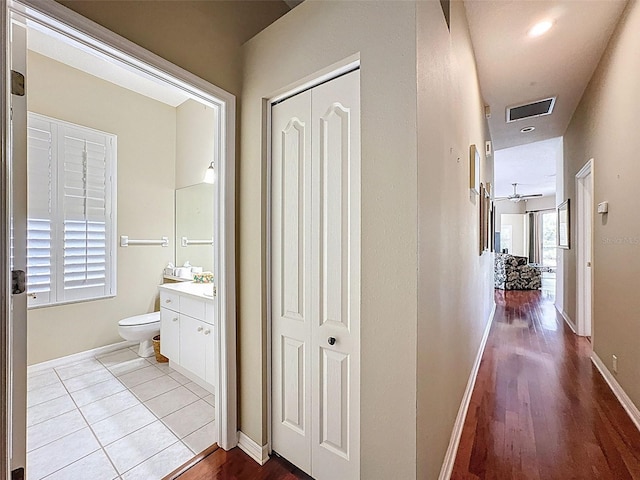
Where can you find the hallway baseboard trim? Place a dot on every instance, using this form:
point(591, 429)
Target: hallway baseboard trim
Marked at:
point(251, 448)
point(76, 357)
point(617, 390)
point(454, 442)
point(566, 318)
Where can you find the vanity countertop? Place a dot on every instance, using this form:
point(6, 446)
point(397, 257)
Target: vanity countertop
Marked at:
point(203, 291)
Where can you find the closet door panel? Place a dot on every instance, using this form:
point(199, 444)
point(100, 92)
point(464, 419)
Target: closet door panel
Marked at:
point(291, 279)
point(336, 293)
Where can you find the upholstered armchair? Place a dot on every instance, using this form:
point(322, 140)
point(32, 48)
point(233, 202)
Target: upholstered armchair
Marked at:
point(514, 273)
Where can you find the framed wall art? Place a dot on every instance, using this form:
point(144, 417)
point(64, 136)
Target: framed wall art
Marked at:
point(564, 227)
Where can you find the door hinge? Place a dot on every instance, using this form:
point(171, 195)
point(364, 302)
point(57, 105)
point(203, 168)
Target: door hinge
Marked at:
point(17, 474)
point(17, 83)
point(18, 282)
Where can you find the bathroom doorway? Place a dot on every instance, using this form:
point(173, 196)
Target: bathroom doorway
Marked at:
point(80, 370)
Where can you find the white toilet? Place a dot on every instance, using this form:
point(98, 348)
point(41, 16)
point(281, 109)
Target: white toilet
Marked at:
point(141, 328)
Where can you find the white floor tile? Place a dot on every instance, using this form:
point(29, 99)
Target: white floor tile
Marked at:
point(163, 367)
point(160, 464)
point(122, 424)
point(83, 381)
point(114, 358)
point(202, 438)
point(44, 394)
point(135, 448)
point(190, 418)
point(154, 387)
point(97, 392)
point(52, 408)
point(59, 454)
point(178, 377)
point(96, 465)
point(49, 377)
point(108, 406)
point(197, 389)
point(169, 402)
point(35, 373)
point(210, 399)
point(140, 376)
point(79, 368)
point(54, 428)
point(128, 366)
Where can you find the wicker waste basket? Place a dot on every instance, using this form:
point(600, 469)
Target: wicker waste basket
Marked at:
point(156, 349)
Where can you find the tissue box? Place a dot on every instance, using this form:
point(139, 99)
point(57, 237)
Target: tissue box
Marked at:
point(204, 277)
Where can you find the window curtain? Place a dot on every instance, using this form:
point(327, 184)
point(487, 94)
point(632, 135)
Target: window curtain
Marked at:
point(535, 237)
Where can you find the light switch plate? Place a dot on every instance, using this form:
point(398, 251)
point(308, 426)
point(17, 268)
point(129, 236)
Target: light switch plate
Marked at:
point(603, 207)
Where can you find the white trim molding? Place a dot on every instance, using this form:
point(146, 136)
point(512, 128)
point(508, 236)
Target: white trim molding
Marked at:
point(259, 453)
point(77, 357)
point(566, 318)
point(617, 390)
point(452, 449)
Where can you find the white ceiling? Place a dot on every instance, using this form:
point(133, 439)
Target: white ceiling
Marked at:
point(514, 68)
point(532, 167)
point(62, 49)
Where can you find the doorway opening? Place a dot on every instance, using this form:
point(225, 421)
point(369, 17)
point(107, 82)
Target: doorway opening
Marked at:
point(76, 395)
point(584, 243)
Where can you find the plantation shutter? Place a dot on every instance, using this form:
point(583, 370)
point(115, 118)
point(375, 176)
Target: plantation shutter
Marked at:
point(70, 219)
point(40, 197)
point(86, 213)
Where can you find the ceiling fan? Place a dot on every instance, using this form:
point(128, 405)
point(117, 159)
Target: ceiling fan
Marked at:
point(516, 197)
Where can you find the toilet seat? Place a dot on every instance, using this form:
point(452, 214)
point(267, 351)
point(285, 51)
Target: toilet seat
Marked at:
point(143, 319)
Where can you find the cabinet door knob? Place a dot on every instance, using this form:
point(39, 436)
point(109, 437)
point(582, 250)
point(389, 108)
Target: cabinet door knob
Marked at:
point(207, 331)
point(168, 300)
point(200, 329)
point(332, 340)
point(175, 319)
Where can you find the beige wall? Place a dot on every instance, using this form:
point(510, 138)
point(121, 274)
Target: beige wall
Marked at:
point(505, 206)
point(196, 126)
point(604, 128)
point(542, 203)
point(312, 37)
point(455, 283)
point(146, 131)
point(203, 37)
point(519, 223)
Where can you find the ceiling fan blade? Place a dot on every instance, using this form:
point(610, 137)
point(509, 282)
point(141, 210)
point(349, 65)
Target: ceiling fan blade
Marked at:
point(532, 195)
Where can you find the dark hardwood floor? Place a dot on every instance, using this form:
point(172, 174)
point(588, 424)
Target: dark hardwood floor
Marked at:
point(237, 465)
point(540, 409)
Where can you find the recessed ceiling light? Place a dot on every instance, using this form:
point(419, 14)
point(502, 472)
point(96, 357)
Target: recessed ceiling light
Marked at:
point(527, 129)
point(540, 28)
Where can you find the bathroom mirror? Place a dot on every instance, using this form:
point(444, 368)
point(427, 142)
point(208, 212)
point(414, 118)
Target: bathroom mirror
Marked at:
point(194, 226)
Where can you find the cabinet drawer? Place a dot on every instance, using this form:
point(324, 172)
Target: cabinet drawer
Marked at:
point(169, 300)
point(192, 307)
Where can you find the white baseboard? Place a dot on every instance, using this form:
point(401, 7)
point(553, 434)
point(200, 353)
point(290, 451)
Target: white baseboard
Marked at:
point(454, 442)
point(251, 448)
point(617, 390)
point(567, 320)
point(76, 357)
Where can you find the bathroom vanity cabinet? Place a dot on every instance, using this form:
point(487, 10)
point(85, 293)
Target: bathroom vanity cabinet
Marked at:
point(187, 331)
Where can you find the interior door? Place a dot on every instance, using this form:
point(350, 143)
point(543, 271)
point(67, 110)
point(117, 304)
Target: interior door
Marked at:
point(291, 279)
point(316, 279)
point(18, 241)
point(587, 214)
point(335, 341)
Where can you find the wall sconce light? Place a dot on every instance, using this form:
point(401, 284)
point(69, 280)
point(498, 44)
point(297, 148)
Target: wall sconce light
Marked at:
point(210, 174)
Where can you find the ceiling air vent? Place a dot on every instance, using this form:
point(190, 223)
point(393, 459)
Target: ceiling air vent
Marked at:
point(530, 110)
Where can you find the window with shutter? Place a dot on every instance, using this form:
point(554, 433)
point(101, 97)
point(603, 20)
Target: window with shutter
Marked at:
point(70, 239)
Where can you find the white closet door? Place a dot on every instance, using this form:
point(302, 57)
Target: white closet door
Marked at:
point(335, 340)
point(316, 279)
point(291, 279)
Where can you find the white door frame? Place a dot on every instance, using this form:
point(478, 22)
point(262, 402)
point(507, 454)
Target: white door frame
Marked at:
point(582, 255)
point(118, 49)
point(325, 75)
point(5, 315)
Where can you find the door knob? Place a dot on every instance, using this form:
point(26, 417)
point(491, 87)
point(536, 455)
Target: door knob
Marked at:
point(331, 340)
point(200, 329)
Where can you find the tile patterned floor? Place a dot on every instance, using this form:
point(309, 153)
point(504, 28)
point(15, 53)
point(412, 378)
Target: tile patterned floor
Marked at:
point(117, 416)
